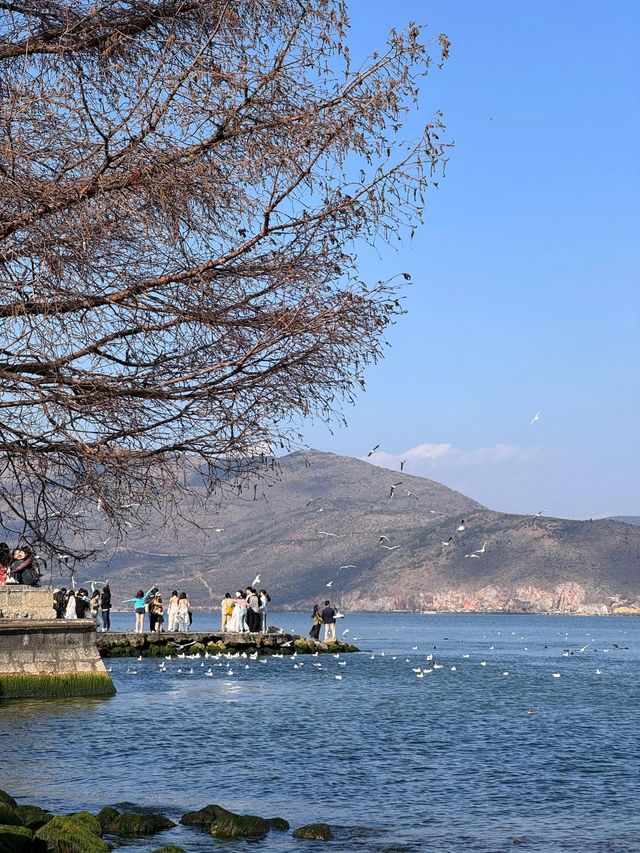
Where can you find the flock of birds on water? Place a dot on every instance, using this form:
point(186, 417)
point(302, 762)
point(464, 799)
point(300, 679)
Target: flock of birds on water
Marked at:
point(232, 667)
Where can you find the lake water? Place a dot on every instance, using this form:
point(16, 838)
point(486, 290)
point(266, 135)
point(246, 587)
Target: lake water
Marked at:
point(464, 759)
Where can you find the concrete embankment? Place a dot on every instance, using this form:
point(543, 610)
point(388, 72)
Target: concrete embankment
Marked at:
point(212, 642)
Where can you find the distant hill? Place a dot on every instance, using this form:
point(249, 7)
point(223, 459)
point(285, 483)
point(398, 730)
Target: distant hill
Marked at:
point(321, 523)
point(626, 519)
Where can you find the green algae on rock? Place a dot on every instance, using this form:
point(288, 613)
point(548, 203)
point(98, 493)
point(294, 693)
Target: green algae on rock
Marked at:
point(170, 848)
point(89, 821)
point(33, 816)
point(67, 834)
point(278, 823)
point(15, 839)
point(314, 832)
point(9, 816)
point(132, 824)
point(51, 686)
point(7, 798)
point(222, 823)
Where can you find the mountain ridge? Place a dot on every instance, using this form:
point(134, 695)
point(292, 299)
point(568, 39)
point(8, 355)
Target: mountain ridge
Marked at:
point(320, 523)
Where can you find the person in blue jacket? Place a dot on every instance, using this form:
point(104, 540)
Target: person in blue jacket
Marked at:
point(139, 600)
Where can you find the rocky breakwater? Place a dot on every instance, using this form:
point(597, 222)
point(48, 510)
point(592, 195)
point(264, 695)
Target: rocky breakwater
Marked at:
point(212, 643)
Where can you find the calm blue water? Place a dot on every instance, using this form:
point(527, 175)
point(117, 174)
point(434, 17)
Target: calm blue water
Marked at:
point(451, 761)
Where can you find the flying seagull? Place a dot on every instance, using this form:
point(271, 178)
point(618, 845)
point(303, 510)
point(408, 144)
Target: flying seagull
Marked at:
point(448, 542)
point(256, 580)
point(535, 418)
point(384, 539)
point(483, 549)
point(390, 547)
point(461, 526)
point(435, 512)
point(313, 500)
point(324, 533)
point(410, 494)
point(372, 451)
point(350, 566)
point(537, 515)
point(402, 464)
point(329, 584)
point(393, 487)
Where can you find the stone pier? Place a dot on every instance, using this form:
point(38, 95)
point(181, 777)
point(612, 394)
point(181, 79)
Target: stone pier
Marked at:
point(41, 657)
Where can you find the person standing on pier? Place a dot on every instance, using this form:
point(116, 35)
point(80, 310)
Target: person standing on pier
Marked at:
point(226, 611)
point(139, 601)
point(183, 612)
point(329, 621)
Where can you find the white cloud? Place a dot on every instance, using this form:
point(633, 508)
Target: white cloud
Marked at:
point(444, 456)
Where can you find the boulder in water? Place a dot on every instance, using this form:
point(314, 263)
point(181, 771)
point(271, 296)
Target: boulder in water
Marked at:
point(170, 848)
point(132, 824)
point(67, 834)
point(15, 839)
point(9, 816)
point(314, 832)
point(33, 816)
point(7, 798)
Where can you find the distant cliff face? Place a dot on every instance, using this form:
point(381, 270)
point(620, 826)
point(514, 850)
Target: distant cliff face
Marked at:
point(374, 539)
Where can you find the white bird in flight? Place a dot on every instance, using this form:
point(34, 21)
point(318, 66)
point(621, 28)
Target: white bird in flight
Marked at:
point(256, 580)
point(325, 533)
point(535, 418)
point(390, 547)
point(329, 584)
point(483, 549)
point(373, 450)
point(350, 566)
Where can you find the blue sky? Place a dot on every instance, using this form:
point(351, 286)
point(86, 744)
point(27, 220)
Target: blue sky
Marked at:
point(525, 294)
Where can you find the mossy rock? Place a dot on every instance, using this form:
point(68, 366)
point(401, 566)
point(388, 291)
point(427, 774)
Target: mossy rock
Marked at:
point(15, 839)
point(230, 825)
point(33, 816)
point(202, 817)
point(314, 832)
point(278, 823)
point(9, 816)
point(66, 834)
point(196, 648)
point(132, 824)
point(170, 848)
point(304, 645)
point(215, 648)
point(7, 798)
point(89, 821)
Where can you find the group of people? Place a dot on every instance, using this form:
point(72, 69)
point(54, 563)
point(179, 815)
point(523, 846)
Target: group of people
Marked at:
point(245, 612)
point(19, 565)
point(178, 610)
point(80, 604)
point(327, 617)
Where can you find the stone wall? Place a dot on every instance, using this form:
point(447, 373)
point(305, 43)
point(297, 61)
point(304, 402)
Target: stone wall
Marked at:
point(26, 602)
point(43, 657)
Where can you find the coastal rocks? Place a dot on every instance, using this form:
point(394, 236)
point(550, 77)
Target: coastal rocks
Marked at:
point(33, 816)
point(71, 834)
point(132, 824)
point(7, 798)
point(222, 823)
point(15, 839)
point(9, 816)
point(314, 832)
point(170, 848)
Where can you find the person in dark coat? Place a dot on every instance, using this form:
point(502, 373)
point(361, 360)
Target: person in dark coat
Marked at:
point(60, 602)
point(105, 607)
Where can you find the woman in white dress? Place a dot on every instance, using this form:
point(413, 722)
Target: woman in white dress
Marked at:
point(70, 610)
point(238, 617)
point(183, 612)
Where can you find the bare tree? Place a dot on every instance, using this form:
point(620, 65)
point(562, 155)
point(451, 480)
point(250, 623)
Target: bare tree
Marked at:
point(183, 185)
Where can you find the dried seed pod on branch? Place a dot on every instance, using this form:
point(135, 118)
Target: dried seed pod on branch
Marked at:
point(183, 187)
